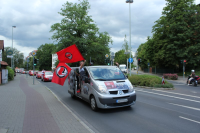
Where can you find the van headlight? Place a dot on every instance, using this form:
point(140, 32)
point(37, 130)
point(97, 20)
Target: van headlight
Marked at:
point(131, 88)
point(103, 90)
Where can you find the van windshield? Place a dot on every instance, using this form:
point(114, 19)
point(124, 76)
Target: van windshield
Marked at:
point(105, 74)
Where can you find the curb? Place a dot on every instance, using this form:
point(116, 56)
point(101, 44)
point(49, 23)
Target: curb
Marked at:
point(154, 88)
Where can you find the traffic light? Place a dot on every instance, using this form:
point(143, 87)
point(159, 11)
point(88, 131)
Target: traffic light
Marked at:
point(184, 62)
point(138, 61)
point(36, 61)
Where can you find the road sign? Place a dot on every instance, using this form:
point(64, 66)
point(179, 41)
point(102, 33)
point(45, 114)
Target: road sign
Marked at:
point(130, 60)
point(112, 54)
point(33, 53)
point(148, 64)
point(106, 55)
point(9, 52)
point(9, 56)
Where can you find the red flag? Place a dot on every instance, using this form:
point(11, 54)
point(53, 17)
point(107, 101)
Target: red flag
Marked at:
point(61, 73)
point(70, 54)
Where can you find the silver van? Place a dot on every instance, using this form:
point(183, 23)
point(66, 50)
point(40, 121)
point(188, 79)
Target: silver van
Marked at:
point(104, 87)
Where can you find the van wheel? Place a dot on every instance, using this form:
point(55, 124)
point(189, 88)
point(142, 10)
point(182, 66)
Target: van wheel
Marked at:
point(93, 104)
point(73, 95)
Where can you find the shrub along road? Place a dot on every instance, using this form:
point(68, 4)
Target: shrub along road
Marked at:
point(155, 111)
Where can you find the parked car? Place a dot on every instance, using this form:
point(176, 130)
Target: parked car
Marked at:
point(31, 72)
point(39, 74)
point(23, 72)
point(48, 75)
point(35, 72)
point(104, 87)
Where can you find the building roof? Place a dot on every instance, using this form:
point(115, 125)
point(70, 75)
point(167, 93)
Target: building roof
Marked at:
point(4, 63)
point(2, 44)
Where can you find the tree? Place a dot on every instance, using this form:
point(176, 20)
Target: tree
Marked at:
point(125, 46)
point(77, 27)
point(18, 57)
point(44, 54)
point(176, 36)
point(120, 57)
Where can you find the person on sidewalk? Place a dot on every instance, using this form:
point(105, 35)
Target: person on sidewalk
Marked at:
point(192, 76)
point(43, 72)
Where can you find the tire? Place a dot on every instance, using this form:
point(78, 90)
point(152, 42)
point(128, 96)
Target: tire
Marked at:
point(93, 103)
point(73, 95)
point(193, 83)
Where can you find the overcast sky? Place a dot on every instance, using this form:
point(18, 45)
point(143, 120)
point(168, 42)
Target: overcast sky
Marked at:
point(33, 19)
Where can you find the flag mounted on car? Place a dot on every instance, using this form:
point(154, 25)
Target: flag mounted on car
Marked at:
point(70, 54)
point(61, 73)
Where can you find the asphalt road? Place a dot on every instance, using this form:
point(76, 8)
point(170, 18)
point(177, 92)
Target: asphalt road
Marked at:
point(155, 111)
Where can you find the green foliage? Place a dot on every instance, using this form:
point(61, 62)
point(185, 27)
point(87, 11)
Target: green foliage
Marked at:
point(77, 27)
point(10, 73)
point(121, 58)
point(44, 54)
point(175, 37)
point(167, 85)
point(18, 57)
point(146, 80)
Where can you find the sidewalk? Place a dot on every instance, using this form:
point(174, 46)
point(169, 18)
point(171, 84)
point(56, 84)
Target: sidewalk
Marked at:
point(28, 108)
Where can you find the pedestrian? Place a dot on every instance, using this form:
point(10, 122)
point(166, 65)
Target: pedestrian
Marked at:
point(43, 72)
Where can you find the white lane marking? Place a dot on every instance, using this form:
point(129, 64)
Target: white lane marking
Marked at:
point(176, 93)
point(189, 119)
point(194, 92)
point(198, 109)
point(171, 96)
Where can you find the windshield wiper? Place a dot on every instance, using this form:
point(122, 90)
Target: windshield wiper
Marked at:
point(101, 79)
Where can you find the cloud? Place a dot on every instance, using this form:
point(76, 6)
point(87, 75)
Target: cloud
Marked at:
point(34, 18)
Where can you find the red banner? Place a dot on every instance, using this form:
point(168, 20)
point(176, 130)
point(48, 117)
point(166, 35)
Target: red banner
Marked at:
point(61, 73)
point(70, 54)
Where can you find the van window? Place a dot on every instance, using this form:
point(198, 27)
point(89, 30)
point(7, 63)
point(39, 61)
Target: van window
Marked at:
point(109, 73)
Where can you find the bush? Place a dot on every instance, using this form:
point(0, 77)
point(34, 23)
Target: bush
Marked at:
point(167, 85)
point(10, 73)
point(148, 80)
point(170, 76)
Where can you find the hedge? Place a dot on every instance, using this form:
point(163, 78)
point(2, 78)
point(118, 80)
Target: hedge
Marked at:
point(149, 81)
point(10, 73)
point(170, 76)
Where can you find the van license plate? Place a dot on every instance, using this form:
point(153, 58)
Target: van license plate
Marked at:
point(122, 100)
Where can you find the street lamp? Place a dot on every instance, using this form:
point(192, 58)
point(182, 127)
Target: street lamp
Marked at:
point(12, 62)
point(129, 1)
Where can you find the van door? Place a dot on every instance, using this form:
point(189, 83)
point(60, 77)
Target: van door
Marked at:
point(85, 87)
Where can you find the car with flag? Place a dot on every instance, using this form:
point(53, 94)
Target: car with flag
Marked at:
point(38, 74)
point(47, 76)
point(103, 87)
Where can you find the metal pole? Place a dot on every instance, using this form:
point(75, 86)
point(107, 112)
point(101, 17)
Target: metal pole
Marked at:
point(130, 34)
point(12, 49)
point(33, 69)
point(127, 64)
point(26, 69)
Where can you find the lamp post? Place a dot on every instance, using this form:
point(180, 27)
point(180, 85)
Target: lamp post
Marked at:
point(129, 1)
point(12, 62)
